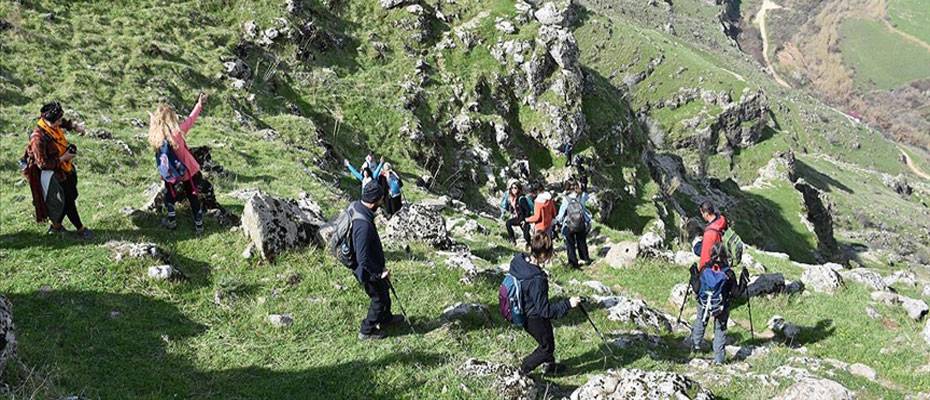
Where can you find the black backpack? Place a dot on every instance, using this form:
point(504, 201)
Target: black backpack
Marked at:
point(340, 242)
point(574, 216)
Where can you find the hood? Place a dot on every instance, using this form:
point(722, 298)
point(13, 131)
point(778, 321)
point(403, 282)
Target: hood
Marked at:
point(544, 197)
point(521, 269)
point(719, 223)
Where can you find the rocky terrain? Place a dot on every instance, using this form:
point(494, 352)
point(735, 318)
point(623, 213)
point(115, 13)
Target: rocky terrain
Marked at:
point(663, 105)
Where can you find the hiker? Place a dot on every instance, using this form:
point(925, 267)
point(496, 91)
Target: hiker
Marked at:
point(712, 280)
point(575, 221)
point(518, 207)
point(48, 164)
point(367, 173)
point(539, 311)
point(174, 161)
point(370, 270)
point(543, 213)
point(567, 147)
point(393, 200)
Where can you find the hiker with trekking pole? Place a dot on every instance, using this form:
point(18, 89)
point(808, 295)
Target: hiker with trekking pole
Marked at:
point(356, 244)
point(524, 301)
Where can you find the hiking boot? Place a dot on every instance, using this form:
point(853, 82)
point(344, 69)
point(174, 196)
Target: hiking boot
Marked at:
point(169, 223)
point(554, 369)
point(376, 335)
point(198, 228)
point(85, 234)
point(56, 231)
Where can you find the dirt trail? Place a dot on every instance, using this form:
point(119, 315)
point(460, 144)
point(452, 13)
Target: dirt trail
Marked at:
point(905, 35)
point(913, 167)
point(768, 5)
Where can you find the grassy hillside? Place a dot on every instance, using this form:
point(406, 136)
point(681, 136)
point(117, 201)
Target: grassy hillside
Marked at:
point(91, 326)
point(910, 16)
point(880, 58)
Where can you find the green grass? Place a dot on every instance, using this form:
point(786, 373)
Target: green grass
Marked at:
point(910, 16)
point(881, 59)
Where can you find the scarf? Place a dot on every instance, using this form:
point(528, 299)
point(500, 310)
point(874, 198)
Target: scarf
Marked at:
point(59, 141)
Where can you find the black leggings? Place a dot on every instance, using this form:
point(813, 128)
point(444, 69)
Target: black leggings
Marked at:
point(70, 194)
point(541, 330)
point(188, 186)
point(518, 221)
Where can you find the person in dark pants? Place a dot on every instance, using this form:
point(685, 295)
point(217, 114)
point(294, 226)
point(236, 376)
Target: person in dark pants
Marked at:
point(575, 221)
point(718, 310)
point(53, 176)
point(534, 292)
point(370, 269)
point(517, 207)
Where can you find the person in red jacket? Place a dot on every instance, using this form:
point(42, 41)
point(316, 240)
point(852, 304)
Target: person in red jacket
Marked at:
point(713, 233)
point(708, 267)
point(543, 214)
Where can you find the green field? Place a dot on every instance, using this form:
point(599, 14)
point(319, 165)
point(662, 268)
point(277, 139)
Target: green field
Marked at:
point(911, 16)
point(880, 58)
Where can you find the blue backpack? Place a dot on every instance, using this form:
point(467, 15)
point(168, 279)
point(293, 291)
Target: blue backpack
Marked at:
point(511, 304)
point(716, 282)
point(169, 166)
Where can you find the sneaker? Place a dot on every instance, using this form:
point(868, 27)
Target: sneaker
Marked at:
point(376, 335)
point(168, 223)
point(85, 234)
point(554, 369)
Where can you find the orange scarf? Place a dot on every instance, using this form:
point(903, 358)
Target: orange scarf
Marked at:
point(59, 141)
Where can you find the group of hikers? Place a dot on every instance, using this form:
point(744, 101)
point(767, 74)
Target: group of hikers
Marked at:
point(48, 164)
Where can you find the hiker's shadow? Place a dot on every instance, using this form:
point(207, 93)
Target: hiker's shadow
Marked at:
point(633, 346)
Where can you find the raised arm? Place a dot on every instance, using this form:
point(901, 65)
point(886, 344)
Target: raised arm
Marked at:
point(354, 172)
point(195, 113)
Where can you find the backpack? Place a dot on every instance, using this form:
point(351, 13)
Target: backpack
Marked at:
point(732, 250)
point(511, 303)
point(340, 242)
point(169, 166)
point(574, 216)
point(715, 285)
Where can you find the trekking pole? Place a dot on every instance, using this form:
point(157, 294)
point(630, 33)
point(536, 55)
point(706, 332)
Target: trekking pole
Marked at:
point(683, 302)
point(598, 331)
point(401, 305)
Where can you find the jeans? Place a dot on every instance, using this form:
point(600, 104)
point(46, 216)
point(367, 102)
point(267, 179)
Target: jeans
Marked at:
point(541, 330)
point(379, 310)
point(577, 241)
point(720, 332)
point(517, 221)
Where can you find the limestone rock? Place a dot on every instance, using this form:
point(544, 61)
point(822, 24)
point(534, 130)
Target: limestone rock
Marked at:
point(275, 225)
point(915, 309)
point(818, 212)
point(678, 294)
point(123, 249)
point(785, 329)
point(622, 255)
point(557, 13)
point(598, 288)
point(812, 388)
point(418, 222)
point(634, 384)
point(867, 277)
point(636, 311)
point(862, 370)
point(389, 4)
point(161, 272)
point(901, 278)
point(822, 279)
point(650, 244)
point(508, 382)
point(926, 332)
point(280, 320)
point(465, 312)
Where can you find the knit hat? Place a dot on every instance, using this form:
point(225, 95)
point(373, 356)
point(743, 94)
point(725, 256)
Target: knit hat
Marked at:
point(372, 192)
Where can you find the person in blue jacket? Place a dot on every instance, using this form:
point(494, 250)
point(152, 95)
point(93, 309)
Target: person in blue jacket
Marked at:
point(534, 292)
point(393, 199)
point(367, 174)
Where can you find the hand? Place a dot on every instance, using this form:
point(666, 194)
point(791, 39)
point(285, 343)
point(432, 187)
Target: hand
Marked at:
point(574, 301)
point(345, 162)
point(202, 98)
point(382, 159)
point(68, 156)
point(386, 274)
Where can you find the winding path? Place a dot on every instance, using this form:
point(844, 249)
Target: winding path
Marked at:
point(913, 167)
point(911, 38)
point(768, 5)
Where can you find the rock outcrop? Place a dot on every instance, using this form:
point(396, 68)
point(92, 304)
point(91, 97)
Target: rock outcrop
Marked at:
point(818, 212)
point(275, 225)
point(418, 222)
point(822, 279)
point(507, 380)
point(635, 384)
point(635, 311)
point(821, 389)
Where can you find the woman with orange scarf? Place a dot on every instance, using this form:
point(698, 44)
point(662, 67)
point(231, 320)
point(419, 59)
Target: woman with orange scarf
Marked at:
point(50, 169)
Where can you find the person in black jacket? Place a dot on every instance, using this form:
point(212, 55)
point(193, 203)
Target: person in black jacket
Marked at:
point(515, 207)
point(371, 271)
point(534, 291)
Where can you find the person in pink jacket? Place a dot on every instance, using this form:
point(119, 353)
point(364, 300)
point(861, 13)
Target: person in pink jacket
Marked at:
point(174, 160)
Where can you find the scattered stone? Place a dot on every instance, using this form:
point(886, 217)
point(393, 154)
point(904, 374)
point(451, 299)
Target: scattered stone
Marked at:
point(598, 288)
point(872, 313)
point(462, 261)
point(915, 309)
point(812, 388)
point(862, 370)
point(902, 278)
point(161, 272)
point(636, 311)
point(866, 277)
point(622, 255)
point(508, 382)
point(123, 249)
point(275, 225)
point(822, 279)
point(418, 222)
point(650, 244)
point(465, 312)
point(685, 258)
point(634, 384)
point(280, 320)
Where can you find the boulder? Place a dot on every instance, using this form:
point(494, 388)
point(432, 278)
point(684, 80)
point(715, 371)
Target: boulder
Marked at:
point(635, 311)
point(465, 312)
point(819, 214)
point(822, 279)
point(766, 284)
point(508, 382)
point(161, 272)
point(867, 277)
point(7, 333)
point(678, 294)
point(915, 309)
point(635, 384)
point(685, 258)
point(622, 255)
point(812, 388)
point(275, 225)
point(901, 278)
point(280, 320)
point(650, 244)
point(558, 13)
point(420, 223)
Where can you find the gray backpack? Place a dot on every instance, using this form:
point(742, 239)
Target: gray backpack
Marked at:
point(574, 216)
